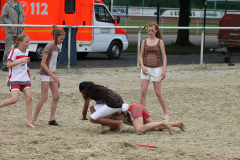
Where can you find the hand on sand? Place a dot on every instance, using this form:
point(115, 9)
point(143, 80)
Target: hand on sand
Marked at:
point(120, 126)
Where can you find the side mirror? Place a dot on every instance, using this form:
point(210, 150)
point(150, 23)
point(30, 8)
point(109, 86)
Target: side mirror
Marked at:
point(118, 19)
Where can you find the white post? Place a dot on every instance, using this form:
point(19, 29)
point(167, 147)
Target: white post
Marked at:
point(214, 12)
point(142, 9)
point(111, 6)
point(69, 43)
point(126, 23)
point(162, 24)
point(197, 25)
point(138, 49)
point(201, 54)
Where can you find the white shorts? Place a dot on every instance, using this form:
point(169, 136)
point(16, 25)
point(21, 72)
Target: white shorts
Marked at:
point(102, 110)
point(154, 74)
point(46, 78)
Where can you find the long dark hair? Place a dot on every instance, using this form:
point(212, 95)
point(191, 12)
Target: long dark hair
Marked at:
point(89, 87)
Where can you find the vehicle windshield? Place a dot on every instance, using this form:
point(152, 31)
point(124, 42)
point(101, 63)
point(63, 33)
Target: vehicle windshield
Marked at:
point(102, 14)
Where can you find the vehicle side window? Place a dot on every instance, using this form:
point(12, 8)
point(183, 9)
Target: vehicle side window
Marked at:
point(70, 6)
point(102, 14)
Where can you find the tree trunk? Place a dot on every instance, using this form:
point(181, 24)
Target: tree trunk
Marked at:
point(183, 34)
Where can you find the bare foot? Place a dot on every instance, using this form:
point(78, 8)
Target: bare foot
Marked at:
point(166, 117)
point(168, 126)
point(36, 123)
point(120, 126)
point(181, 126)
point(30, 125)
point(104, 130)
point(139, 133)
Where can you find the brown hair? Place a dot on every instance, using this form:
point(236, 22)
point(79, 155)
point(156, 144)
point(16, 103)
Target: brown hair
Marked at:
point(19, 38)
point(56, 32)
point(151, 24)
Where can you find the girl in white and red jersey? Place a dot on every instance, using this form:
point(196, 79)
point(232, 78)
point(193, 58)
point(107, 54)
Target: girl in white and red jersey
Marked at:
point(19, 75)
point(152, 69)
point(48, 75)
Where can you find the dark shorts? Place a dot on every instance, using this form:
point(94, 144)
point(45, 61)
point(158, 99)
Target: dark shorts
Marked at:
point(137, 110)
point(19, 87)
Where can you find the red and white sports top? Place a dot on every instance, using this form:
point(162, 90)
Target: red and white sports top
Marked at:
point(18, 74)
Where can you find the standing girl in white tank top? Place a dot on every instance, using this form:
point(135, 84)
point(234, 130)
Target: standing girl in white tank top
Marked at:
point(152, 69)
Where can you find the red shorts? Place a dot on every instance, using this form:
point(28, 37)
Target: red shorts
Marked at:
point(19, 87)
point(137, 110)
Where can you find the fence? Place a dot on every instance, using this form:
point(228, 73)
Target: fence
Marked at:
point(197, 20)
point(125, 27)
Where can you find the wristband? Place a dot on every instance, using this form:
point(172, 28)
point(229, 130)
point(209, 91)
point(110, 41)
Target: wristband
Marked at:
point(21, 60)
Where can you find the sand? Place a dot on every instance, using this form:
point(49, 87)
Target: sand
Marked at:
point(205, 98)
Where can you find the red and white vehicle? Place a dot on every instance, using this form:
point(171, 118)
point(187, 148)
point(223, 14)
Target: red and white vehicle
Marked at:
point(228, 39)
point(71, 12)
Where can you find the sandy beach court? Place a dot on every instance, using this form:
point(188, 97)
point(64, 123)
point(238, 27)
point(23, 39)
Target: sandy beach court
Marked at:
point(206, 98)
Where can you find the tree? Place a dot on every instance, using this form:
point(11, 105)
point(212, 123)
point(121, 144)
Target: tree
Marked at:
point(183, 34)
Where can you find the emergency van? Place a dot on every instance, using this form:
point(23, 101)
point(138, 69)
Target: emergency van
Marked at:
point(72, 12)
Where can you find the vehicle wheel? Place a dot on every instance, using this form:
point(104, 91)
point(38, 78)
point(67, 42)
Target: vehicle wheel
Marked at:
point(226, 59)
point(37, 56)
point(82, 55)
point(114, 50)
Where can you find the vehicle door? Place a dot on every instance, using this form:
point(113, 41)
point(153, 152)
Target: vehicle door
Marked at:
point(102, 36)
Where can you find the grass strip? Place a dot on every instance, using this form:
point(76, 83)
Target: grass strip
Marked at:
point(137, 22)
point(173, 49)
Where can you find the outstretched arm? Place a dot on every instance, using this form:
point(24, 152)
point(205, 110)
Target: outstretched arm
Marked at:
point(164, 58)
point(144, 70)
point(85, 109)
